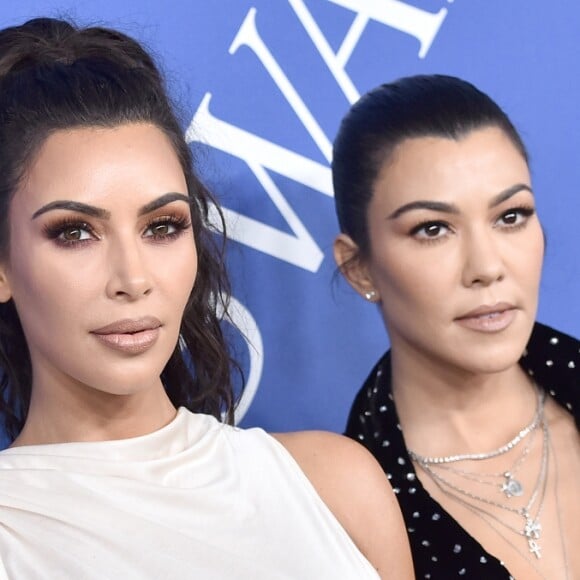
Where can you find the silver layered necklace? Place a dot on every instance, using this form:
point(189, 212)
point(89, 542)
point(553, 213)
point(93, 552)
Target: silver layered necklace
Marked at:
point(507, 484)
point(531, 527)
point(510, 486)
point(436, 468)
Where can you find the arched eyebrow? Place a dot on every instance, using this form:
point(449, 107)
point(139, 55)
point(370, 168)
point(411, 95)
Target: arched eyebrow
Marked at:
point(509, 192)
point(77, 206)
point(453, 209)
point(164, 200)
point(101, 213)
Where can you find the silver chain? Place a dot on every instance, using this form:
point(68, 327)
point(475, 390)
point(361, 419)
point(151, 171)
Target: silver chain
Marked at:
point(481, 513)
point(510, 487)
point(490, 454)
point(530, 533)
point(532, 528)
point(521, 511)
point(505, 538)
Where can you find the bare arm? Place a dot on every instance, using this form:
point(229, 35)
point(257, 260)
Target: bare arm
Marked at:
point(354, 487)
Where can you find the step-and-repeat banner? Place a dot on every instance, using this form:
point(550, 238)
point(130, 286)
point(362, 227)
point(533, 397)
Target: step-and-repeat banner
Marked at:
point(263, 85)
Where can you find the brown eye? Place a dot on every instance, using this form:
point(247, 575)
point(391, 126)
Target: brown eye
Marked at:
point(161, 229)
point(69, 233)
point(515, 217)
point(433, 230)
point(74, 234)
point(510, 218)
point(166, 228)
point(430, 231)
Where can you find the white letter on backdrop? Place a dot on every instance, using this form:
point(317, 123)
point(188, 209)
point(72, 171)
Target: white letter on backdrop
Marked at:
point(248, 35)
point(419, 23)
point(299, 249)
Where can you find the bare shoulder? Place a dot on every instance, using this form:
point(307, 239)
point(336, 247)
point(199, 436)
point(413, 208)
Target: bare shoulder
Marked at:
point(355, 488)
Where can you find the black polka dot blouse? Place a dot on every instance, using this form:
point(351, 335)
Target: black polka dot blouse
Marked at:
point(441, 548)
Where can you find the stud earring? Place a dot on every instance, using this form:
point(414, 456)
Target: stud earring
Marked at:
point(370, 295)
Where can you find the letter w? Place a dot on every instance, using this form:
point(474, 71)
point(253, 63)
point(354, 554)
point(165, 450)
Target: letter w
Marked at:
point(261, 155)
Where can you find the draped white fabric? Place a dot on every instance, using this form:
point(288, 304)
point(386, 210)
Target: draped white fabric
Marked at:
point(196, 499)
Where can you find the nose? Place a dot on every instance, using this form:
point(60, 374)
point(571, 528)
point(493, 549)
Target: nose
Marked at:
point(483, 263)
point(129, 275)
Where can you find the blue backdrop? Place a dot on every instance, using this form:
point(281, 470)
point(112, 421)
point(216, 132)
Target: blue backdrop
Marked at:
point(263, 84)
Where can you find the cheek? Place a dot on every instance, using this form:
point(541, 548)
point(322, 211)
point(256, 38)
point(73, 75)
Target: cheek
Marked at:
point(410, 282)
point(46, 308)
point(177, 270)
point(528, 261)
point(188, 277)
point(47, 282)
point(407, 274)
point(33, 279)
point(413, 298)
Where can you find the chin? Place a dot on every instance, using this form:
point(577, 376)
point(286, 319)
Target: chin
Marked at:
point(126, 386)
point(491, 358)
point(125, 391)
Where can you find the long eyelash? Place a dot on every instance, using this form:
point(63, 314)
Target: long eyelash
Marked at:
point(53, 230)
point(416, 229)
point(180, 223)
point(426, 240)
point(525, 210)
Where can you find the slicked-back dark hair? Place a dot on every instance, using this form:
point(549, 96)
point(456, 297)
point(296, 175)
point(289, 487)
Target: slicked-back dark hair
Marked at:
point(416, 106)
point(57, 76)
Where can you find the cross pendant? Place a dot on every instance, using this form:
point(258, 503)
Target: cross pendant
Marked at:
point(532, 529)
point(535, 548)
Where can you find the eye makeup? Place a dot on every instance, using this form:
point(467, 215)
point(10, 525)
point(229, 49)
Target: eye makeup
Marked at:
point(69, 232)
point(521, 213)
point(73, 232)
point(166, 228)
point(430, 231)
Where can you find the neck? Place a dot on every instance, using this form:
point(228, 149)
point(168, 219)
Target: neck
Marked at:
point(445, 410)
point(91, 415)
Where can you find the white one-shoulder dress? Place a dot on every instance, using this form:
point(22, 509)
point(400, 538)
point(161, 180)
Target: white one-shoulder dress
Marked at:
point(195, 500)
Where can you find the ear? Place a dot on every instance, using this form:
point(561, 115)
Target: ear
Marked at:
point(353, 268)
point(5, 290)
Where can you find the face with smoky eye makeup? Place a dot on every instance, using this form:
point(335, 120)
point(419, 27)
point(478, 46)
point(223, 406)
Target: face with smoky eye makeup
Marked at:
point(102, 259)
point(455, 250)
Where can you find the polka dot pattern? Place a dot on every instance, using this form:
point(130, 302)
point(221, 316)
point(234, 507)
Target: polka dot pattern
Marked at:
point(441, 548)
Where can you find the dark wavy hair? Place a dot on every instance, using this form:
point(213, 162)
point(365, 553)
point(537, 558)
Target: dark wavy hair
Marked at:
point(54, 76)
point(416, 106)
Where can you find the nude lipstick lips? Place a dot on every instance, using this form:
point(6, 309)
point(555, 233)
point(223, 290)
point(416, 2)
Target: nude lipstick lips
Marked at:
point(132, 336)
point(494, 318)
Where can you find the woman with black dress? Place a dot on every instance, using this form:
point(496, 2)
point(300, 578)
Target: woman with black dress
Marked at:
point(471, 412)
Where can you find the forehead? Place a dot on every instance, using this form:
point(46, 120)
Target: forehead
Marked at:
point(93, 164)
point(481, 163)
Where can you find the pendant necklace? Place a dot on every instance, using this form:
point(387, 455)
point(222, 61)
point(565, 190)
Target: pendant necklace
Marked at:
point(510, 486)
point(532, 527)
